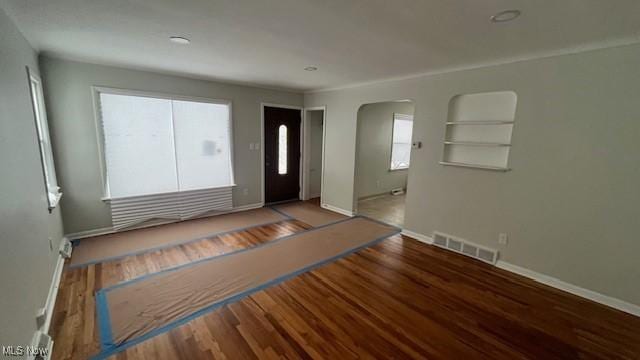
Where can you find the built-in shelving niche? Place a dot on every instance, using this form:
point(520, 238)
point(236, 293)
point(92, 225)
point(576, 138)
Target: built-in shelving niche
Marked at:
point(478, 130)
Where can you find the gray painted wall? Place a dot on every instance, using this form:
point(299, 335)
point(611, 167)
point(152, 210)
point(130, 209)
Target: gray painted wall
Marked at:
point(373, 153)
point(71, 112)
point(570, 204)
point(27, 259)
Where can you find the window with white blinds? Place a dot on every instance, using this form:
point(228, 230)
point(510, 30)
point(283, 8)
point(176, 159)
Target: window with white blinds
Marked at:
point(165, 157)
point(159, 145)
point(401, 143)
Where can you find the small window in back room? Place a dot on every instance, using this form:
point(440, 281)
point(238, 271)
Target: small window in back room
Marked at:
point(401, 144)
point(282, 150)
point(44, 141)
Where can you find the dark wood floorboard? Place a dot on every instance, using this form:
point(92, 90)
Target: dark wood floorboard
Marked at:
point(397, 299)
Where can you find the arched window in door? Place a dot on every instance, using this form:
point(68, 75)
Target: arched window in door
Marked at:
point(282, 150)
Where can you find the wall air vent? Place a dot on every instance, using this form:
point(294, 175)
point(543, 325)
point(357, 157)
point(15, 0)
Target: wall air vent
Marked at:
point(469, 250)
point(465, 247)
point(454, 245)
point(440, 240)
point(489, 256)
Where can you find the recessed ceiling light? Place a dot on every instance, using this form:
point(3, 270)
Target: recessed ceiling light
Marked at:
point(504, 16)
point(179, 40)
point(311, 68)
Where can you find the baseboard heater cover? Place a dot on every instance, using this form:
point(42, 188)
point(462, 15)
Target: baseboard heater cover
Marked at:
point(465, 247)
point(127, 212)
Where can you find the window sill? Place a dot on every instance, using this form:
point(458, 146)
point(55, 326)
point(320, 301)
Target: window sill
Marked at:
point(399, 169)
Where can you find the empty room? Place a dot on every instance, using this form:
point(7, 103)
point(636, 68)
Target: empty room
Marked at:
point(360, 179)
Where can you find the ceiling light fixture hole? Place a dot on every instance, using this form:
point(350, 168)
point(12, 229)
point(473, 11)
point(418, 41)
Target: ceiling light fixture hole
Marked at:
point(311, 68)
point(179, 40)
point(504, 16)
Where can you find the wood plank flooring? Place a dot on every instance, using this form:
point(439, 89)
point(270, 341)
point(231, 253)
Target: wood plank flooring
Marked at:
point(397, 299)
point(388, 208)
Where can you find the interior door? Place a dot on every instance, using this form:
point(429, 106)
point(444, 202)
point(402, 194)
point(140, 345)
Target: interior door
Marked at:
point(281, 154)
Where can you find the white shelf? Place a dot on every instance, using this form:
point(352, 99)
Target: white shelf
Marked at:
point(478, 130)
point(475, 143)
point(475, 166)
point(488, 122)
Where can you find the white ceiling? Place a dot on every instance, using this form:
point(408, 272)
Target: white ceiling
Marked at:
point(269, 42)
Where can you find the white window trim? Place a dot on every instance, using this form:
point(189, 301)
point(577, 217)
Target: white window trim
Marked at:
point(400, 117)
point(43, 135)
point(97, 90)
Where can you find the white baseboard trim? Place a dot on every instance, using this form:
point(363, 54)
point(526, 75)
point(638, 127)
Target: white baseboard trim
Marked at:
point(417, 236)
point(53, 293)
point(337, 209)
point(50, 304)
point(44, 345)
point(111, 230)
point(570, 288)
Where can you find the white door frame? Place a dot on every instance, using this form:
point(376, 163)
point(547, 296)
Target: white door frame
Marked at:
point(307, 155)
point(282, 106)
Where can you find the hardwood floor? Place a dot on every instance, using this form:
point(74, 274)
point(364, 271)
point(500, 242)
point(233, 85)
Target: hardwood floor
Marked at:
point(397, 299)
point(388, 208)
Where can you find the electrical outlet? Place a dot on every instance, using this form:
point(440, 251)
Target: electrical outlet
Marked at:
point(503, 239)
point(245, 192)
point(378, 183)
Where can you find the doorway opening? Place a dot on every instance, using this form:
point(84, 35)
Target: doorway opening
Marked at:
point(313, 154)
point(383, 160)
point(281, 150)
